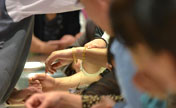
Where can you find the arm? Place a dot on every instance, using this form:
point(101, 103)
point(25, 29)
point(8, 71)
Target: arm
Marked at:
point(63, 100)
point(49, 83)
point(20, 9)
point(96, 56)
point(74, 80)
point(38, 46)
point(60, 58)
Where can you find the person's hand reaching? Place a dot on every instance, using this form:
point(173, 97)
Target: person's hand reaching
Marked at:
point(49, 47)
point(20, 96)
point(47, 83)
point(58, 59)
point(66, 41)
point(54, 100)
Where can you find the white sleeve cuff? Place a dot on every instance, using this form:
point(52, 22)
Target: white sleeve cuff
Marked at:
point(106, 37)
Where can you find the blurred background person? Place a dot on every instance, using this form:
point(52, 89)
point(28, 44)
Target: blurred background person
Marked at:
point(150, 35)
point(57, 31)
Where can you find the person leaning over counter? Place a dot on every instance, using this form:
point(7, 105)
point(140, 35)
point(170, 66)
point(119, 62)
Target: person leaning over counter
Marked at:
point(16, 25)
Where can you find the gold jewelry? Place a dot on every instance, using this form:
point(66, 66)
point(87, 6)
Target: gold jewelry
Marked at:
point(74, 56)
point(84, 54)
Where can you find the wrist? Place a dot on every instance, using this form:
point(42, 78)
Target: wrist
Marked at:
point(58, 82)
point(41, 46)
point(78, 52)
point(61, 84)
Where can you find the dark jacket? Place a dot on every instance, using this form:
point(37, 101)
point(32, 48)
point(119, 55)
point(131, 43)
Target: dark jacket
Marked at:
point(15, 39)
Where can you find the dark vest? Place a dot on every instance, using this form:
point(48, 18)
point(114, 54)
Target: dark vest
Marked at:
point(15, 39)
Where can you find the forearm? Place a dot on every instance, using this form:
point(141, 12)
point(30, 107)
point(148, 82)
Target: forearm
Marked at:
point(96, 56)
point(75, 80)
point(36, 45)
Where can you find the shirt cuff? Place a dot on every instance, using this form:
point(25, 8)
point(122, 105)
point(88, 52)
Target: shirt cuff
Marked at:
point(106, 37)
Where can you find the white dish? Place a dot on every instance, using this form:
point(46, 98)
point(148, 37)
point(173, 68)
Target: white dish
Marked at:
point(33, 65)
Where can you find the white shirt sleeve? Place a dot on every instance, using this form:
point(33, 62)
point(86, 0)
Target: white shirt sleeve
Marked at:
point(20, 9)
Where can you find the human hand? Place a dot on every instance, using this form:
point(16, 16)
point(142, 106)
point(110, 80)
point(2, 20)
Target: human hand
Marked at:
point(49, 47)
point(20, 96)
point(47, 83)
point(96, 43)
point(54, 100)
point(66, 41)
point(105, 102)
point(58, 59)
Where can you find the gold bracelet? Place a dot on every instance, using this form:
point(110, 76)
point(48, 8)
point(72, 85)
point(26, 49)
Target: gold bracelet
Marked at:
point(84, 54)
point(74, 56)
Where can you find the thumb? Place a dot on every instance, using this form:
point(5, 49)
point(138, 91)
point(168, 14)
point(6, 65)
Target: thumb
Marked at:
point(92, 46)
point(39, 77)
point(57, 65)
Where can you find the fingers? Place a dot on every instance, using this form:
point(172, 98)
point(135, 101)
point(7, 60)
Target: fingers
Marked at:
point(36, 81)
point(57, 65)
point(33, 82)
point(36, 84)
point(38, 77)
point(56, 57)
point(91, 45)
point(34, 101)
point(87, 45)
point(97, 43)
point(50, 69)
point(52, 58)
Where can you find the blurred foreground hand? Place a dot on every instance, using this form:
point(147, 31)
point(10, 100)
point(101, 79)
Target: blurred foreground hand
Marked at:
point(54, 100)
